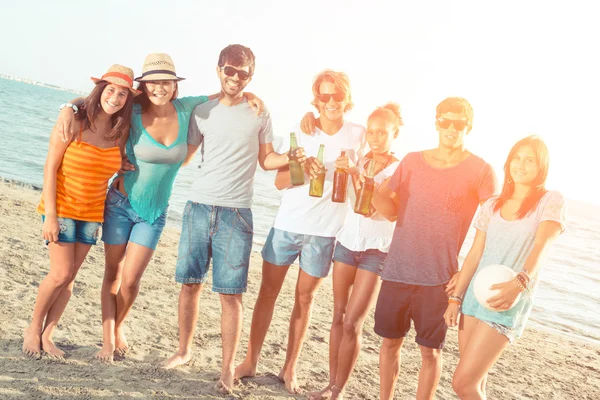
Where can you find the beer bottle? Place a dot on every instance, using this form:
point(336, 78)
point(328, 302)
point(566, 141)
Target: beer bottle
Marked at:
point(296, 172)
point(340, 184)
point(365, 194)
point(316, 184)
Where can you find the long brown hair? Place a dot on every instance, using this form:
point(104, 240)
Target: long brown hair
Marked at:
point(143, 100)
point(92, 107)
point(538, 186)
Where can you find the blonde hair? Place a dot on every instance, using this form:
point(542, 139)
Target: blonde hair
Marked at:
point(341, 82)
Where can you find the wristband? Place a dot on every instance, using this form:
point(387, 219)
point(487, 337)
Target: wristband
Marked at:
point(70, 105)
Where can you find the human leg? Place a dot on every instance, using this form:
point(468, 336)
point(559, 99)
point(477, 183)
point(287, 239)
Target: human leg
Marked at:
point(59, 305)
point(306, 288)
point(343, 280)
point(193, 261)
point(270, 286)
point(62, 267)
point(483, 348)
point(363, 297)
point(136, 261)
point(392, 322)
point(114, 257)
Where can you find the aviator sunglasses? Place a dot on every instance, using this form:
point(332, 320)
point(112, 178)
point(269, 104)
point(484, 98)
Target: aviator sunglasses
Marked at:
point(458, 124)
point(230, 71)
point(337, 97)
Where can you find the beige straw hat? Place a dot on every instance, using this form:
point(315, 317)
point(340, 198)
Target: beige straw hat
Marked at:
point(119, 75)
point(158, 67)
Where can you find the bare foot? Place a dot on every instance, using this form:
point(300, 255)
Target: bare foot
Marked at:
point(106, 353)
point(32, 343)
point(121, 345)
point(337, 393)
point(244, 370)
point(176, 360)
point(222, 388)
point(50, 348)
point(290, 381)
point(324, 393)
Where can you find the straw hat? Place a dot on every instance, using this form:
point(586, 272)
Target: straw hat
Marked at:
point(158, 67)
point(119, 75)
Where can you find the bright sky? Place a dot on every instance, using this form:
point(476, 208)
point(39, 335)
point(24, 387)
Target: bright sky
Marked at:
point(525, 66)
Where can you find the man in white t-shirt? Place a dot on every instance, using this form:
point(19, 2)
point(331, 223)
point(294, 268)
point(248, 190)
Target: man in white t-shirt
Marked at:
point(305, 226)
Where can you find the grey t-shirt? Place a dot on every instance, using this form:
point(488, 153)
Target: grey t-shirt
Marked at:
point(434, 215)
point(229, 137)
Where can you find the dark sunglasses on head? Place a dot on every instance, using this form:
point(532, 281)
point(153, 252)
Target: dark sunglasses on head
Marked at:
point(230, 71)
point(337, 97)
point(458, 124)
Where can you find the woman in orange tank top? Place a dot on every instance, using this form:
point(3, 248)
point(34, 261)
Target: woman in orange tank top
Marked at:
point(76, 176)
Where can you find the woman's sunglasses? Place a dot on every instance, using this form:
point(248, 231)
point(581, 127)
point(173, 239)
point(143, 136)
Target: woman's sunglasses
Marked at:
point(337, 97)
point(230, 71)
point(458, 124)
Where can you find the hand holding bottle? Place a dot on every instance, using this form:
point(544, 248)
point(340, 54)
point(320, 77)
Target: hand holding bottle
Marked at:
point(313, 167)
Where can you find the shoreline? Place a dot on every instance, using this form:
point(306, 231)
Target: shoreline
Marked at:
point(539, 365)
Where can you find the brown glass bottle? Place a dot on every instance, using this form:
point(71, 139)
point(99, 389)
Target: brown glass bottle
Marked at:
point(365, 194)
point(296, 172)
point(340, 184)
point(316, 184)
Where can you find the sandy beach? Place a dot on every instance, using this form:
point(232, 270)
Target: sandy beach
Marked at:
point(539, 366)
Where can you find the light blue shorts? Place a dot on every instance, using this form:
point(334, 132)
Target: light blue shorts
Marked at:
point(122, 224)
point(282, 248)
point(370, 260)
point(73, 230)
point(221, 233)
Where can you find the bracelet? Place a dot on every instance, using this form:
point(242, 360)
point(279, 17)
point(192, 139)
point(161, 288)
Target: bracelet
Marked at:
point(458, 298)
point(69, 105)
point(454, 301)
point(519, 283)
point(524, 278)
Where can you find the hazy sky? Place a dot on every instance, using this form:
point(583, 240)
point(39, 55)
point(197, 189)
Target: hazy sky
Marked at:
point(525, 66)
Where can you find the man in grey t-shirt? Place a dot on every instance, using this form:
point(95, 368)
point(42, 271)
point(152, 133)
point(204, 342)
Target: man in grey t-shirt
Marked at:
point(432, 196)
point(217, 221)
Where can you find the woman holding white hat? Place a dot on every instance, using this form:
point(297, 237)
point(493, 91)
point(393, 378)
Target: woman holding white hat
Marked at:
point(76, 176)
point(515, 229)
point(137, 202)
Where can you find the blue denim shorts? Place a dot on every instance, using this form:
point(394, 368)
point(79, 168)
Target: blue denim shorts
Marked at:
point(283, 248)
point(370, 260)
point(221, 233)
point(75, 231)
point(122, 224)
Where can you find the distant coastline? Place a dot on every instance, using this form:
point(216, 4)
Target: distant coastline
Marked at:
point(42, 84)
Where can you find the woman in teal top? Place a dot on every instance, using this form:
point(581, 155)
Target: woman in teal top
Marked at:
point(137, 202)
point(514, 229)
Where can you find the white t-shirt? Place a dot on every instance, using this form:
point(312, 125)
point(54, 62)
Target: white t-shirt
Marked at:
point(360, 233)
point(318, 216)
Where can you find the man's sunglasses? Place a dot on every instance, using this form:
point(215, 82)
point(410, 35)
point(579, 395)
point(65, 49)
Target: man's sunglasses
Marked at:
point(458, 124)
point(337, 97)
point(230, 71)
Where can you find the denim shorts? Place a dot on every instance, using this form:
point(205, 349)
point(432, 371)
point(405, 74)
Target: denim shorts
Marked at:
point(122, 224)
point(75, 231)
point(399, 303)
point(370, 260)
point(507, 331)
point(282, 248)
point(221, 233)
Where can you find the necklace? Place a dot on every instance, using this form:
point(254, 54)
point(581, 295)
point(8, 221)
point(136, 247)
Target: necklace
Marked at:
point(387, 162)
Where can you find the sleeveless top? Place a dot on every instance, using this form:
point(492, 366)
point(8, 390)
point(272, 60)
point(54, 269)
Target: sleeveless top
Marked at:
point(360, 233)
point(156, 165)
point(82, 180)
